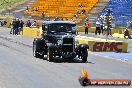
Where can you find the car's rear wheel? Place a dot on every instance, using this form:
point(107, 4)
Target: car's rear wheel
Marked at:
point(84, 56)
point(49, 55)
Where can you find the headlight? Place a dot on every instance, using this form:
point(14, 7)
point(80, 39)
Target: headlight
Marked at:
point(59, 42)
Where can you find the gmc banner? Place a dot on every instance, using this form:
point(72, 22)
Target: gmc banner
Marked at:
point(108, 46)
point(103, 46)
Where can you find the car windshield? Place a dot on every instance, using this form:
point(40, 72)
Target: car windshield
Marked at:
point(61, 28)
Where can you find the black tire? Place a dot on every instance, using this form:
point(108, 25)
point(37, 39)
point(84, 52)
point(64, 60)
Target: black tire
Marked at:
point(49, 55)
point(35, 54)
point(84, 56)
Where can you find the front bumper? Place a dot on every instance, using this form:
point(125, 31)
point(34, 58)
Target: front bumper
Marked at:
point(68, 55)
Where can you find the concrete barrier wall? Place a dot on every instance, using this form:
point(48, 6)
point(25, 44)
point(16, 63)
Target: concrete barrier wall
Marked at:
point(82, 29)
point(31, 32)
point(101, 45)
point(118, 35)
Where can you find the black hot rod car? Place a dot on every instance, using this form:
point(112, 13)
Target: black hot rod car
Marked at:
point(58, 40)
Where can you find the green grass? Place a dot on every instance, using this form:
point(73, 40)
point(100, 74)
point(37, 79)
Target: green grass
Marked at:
point(4, 4)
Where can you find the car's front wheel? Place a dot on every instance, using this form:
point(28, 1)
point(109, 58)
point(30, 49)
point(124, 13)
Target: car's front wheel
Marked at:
point(35, 54)
point(49, 55)
point(84, 56)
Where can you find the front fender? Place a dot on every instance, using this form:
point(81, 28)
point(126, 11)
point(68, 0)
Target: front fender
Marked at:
point(82, 46)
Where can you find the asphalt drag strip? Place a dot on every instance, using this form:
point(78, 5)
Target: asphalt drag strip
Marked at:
point(19, 69)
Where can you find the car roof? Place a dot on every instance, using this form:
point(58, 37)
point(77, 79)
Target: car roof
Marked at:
point(59, 22)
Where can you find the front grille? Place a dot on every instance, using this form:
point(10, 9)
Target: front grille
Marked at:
point(67, 45)
point(67, 40)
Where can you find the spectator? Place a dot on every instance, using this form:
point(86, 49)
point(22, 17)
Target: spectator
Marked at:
point(27, 8)
point(36, 9)
point(130, 24)
point(87, 24)
point(109, 30)
point(56, 19)
point(28, 24)
point(126, 33)
point(5, 22)
point(61, 19)
point(78, 12)
point(83, 11)
point(13, 26)
point(73, 20)
point(0, 22)
point(98, 30)
point(17, 26)
point(48, 18)
point(21, 26)
point(79, 5)
point(43, 15)
point(102, 27)
point(34, 23)
point(66, 19)
point(75, 15)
